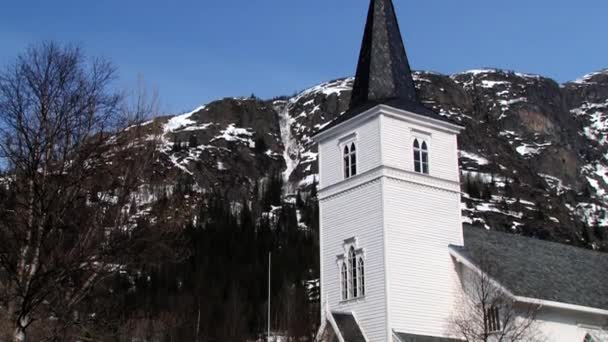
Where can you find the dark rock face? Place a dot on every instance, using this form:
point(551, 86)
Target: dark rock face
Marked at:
point(533, 154)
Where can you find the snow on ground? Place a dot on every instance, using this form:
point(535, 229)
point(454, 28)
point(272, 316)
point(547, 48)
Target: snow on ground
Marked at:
point(475, 157)
point(327, 88)
point(485, 178)
point(491, 207)
point(309, 180)
point(492, 84)
point(596, 113)
point(587, 78)
point(180, 121)
point(233, 133)
point(555, 183)
point(527, 150)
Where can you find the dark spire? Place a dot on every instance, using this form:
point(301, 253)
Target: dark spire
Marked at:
point(383, 72)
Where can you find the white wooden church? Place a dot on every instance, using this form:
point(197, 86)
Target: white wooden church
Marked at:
point(397, 264)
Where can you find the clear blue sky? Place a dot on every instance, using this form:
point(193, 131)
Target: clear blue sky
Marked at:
point(200, 50)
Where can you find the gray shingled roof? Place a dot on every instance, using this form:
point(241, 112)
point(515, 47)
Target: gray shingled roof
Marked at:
point(539, 269)
point(383, 71)
point(349, 329)
point(418, 338)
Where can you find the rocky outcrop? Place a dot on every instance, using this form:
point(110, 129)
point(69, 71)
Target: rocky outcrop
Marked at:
point(533, 153)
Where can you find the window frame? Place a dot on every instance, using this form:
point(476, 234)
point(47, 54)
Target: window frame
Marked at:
point(361, 275)
point(421, 153)
point(352, 276)
point(493, 323)
point(353, 259)
point(344, 280)
point(349, 149)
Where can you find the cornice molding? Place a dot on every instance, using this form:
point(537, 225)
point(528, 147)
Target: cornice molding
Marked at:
point(374, 175)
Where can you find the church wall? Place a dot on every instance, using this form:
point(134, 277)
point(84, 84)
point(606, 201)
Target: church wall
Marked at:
point(367, 138)
point(551, 324)
point(355, 213)
point(397, 147)
point(567, 326)
point(421, 221)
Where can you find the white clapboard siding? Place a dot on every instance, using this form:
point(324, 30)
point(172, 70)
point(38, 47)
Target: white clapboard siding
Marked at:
point(356, 213)
point(397, 147)
point(367, 138)
point(421, 222)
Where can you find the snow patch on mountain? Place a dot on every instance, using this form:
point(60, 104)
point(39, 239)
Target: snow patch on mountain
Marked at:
point(181, 121)
point(327, 89)
point(474, 157)
point(236, 134)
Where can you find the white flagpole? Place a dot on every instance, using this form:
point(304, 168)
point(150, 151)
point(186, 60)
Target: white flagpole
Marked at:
point(269, 270)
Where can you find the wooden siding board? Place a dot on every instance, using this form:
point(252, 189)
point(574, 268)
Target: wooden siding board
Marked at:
point(358, 214)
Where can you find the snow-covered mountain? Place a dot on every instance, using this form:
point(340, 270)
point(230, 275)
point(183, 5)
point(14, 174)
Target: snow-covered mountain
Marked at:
point(533, 154)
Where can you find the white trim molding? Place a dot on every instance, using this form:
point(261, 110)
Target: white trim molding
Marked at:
point(404, 115)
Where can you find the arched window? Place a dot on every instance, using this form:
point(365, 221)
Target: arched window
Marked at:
point(353, 160)
point(346, 162)
point(361, 270)
point(344, 279)
point(352, 260)
point(350, 160)
point(421, 157)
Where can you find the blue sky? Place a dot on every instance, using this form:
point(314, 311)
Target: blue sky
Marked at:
point(200, 50)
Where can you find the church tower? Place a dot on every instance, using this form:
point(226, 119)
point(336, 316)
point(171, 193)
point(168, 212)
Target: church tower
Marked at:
point(389, 202)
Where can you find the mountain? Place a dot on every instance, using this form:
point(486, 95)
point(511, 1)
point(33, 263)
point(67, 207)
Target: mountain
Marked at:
point(533, 152)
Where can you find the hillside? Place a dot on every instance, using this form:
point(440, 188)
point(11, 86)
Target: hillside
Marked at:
point(533, 153)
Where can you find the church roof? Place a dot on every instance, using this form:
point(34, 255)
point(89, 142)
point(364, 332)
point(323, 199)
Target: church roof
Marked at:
point(539, 269)
point(402, 337)
point(383, 72)
point(349, 329)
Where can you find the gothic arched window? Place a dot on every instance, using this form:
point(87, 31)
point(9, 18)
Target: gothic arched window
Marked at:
point(350, 160)
point(361, 270)
point(353, 160)
point(352, 261)
point(346, 162)
point(344, 281)
point(421, 157)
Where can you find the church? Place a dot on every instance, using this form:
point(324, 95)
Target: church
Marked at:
point(397, 264)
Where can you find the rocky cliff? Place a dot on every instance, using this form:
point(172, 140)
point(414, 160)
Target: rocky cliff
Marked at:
point(533, 153)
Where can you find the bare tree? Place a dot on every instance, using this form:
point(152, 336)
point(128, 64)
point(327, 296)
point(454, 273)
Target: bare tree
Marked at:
point(486, 312)
point(63, 139)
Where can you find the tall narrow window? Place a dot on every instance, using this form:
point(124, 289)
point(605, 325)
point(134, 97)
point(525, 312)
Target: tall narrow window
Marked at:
point(344, 279)
point(493, 320)
point(361, 274)
point(417, 161)
point(425, 158)
point(350, 160)
point(352, 260)
point(353, 160)
point(421, 156)
point(346, 162)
